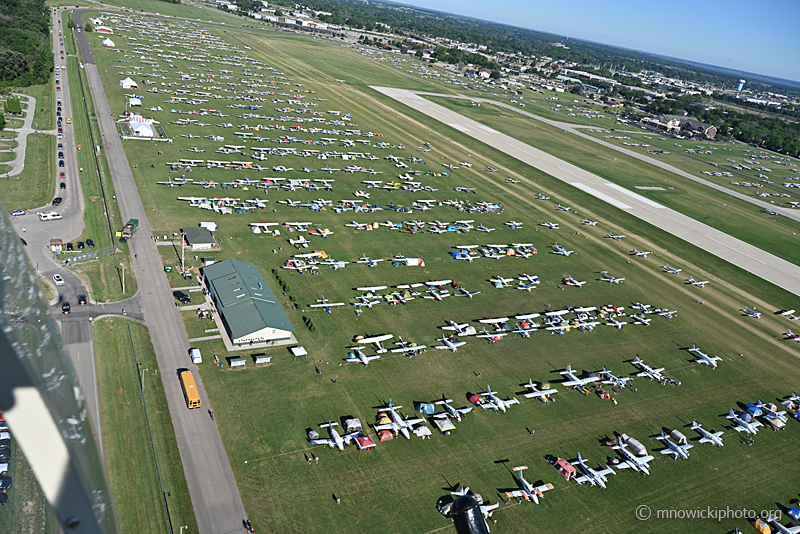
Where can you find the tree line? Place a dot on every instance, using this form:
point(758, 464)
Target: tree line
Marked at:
point(26, 57)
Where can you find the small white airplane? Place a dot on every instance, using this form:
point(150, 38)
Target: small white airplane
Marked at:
point(335, 440)
point(595, 478)
point(325, 304)
point(671, 270)
point(612, 380)
point(496, 403)
point(537, 393)
point(559, 207)
point(450, 411)
point(771, 411)
point(528, 491)
point(705, 359)
point(552, 226)
point(399, 425)
point(540, 196)
point(407, 347)
point(714, 438)
point(561, 251)
point(587, 222)
point(751, 313)
point(510, 180)
point(649, 372)
point(482, 228)
point(463, 292)
point(368, 262)
point(450, 343)
point(742, 425)
point(639, 253)
point(514, 225)
point(631, 461)
point(574, 381)
point(614, 237)
point(486, 509)
point(360, 357)
point(609, 278)
point(500, 282)
point(678, 451)
point(616, 324)
point(572, 282)
point(493, 337)
point(434, 295)
point(462, 329)
point(697, 283)
point(375, 340)
point(300, 241)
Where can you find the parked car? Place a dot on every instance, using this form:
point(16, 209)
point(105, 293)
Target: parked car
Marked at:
point(70, 246)
point(5, 455)
point(182, 297)
point(3, 499)
point(80, 245)
point(5, 444)
point(90, 243)
point(58, 280)
point(5, 483)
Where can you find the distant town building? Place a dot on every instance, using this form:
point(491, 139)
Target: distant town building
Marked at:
point(677, 123)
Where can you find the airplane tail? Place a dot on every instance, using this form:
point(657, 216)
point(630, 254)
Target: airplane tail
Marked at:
point(694, 426)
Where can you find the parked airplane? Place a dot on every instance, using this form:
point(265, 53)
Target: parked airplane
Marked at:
point(782, 529)
point(751, 313)
point(587, 222)
point(463, 329)
point(671, 270)
point(325, 304)
point(562, 208)
point(465, 293)
point(609, 278)
point(595, 478)
point(540, 196)
point(528, 491)
point(705, 359)
point(486, 509)
point(500, 282)
point(482, 228)
point(301, 241)
point(715, 438)
point(771, 411)
point(639, 253)
point(398, 424)
point(511, 180)
point(335, 440)
point(552, 226)
point(537, 393)
point(572, 282)
point(365, 260)
point(631, 461)
point(375, 340)
point(697, 283)
point(612, 380)
point(574, 381)
point(496, 403)
point(561, 251)
point(360, 357)
point(678, 451)
point(450, 343)
point(742, 425)
point(450, 411)
point(649, 372)
point(615, 237)
point(514, 225)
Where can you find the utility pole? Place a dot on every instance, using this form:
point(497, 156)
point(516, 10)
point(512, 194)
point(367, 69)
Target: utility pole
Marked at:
point(123, 277)
point(183, 253)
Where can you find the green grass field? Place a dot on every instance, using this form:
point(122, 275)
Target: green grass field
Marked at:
point(27, 510)
point(264, 413)
point(33, 187)
point(129, 459)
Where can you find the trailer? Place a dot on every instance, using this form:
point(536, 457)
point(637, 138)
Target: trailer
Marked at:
point(129, 229)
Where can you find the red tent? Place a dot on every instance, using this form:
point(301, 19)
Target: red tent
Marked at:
point(475, 398)
point(384, 435)
point(365, 442)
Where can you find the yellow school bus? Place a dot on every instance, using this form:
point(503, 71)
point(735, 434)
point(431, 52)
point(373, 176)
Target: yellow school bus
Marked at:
point(190, 390)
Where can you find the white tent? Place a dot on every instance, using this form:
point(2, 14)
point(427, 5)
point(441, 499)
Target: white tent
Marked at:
point(134, 102)
point(108, 42)
point(128, 83)
point(142, 129)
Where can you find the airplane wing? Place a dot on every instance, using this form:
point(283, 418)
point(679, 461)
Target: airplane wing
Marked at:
point(516, 493)
point(328, 442)
point(410, 422)
point(584, 478)
point(646, 459)
point(605, 472)
point(389, 426)
point(543, 487)
point(488, 405)
point(581, 382)
point(466, 410)
point(669, 451)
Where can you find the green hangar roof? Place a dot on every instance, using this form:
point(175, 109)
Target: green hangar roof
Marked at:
point(243, 298)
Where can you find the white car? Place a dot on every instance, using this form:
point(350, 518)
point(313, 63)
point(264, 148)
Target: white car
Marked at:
point(58, 280)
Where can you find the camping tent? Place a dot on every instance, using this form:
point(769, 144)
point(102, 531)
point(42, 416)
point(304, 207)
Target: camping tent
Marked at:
point(422, 432)
point(365, 442)
point(313, 434)
point(445, 426)
point(352, 425)
point(385, 435)
point(108, 42)
point(133, 101)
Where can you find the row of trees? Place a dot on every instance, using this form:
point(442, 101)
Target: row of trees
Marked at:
point(26, 57)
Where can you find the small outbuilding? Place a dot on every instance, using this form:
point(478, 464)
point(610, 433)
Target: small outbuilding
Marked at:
point(198, 238)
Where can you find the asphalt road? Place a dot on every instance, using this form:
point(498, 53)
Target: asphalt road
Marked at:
point(215, 496)
point(752, 259)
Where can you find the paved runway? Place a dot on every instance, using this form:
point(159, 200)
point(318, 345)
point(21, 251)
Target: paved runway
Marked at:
point(752, 259)
point(215, 496)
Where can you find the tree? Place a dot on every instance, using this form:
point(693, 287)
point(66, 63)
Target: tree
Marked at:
point(278, 13)
point(71, 24)
point(2, 121)
point(88, 28)
point(494, 75)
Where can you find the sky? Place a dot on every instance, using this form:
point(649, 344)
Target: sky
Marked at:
point(760, 37)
